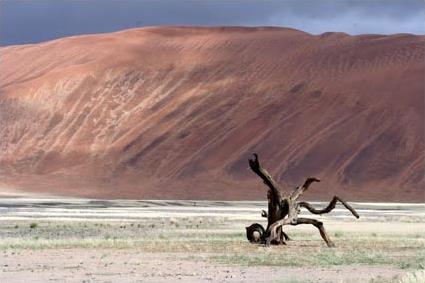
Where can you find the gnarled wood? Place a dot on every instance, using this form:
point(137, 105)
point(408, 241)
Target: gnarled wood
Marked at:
point(319, 226)
point(300, 190)
point(277, 200)
point(284, 209)
point(329, 208)
point(255, 233)
point(255, 166)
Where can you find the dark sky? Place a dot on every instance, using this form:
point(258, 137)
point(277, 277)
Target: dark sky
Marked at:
point(28, 21)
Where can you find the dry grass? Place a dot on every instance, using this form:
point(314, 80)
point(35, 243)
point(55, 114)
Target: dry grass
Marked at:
point(383, 244)
point(227, 246)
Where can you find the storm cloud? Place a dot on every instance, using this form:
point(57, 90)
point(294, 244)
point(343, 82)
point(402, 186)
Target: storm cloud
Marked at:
point(39, 20)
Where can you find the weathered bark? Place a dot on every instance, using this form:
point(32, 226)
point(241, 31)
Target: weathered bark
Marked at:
point(277, 204)
point(255, 233)
point(283, 209)
point(329, 208)
point(319, 226)
point(300, 190)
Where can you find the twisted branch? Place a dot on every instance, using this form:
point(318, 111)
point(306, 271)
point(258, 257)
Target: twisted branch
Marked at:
point(265, 176)
point(329, 208)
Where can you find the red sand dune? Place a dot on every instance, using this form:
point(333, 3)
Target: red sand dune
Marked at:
point(175, 112)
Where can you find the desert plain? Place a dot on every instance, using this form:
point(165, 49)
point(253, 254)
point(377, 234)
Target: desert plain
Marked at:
point(87, 240)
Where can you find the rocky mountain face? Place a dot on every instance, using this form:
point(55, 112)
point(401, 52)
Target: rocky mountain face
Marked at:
point(175, 112)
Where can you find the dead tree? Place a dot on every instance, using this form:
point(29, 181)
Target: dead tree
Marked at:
point(283, 209)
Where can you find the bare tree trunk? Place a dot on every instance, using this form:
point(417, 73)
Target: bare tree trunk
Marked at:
point(277, 204)
point(283, 209)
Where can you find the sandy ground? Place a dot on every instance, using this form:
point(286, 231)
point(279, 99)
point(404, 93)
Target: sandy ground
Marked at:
point(71, 242)
point(79, 265)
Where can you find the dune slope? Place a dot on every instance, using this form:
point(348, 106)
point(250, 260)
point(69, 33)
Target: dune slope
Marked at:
point(175, 112)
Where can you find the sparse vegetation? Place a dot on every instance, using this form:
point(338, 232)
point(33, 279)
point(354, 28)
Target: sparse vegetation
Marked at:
point(227, 246)
point(220, 241)
point(33, 225)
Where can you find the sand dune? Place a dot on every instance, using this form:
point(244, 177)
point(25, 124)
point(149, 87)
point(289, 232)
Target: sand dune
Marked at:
point(174, 112)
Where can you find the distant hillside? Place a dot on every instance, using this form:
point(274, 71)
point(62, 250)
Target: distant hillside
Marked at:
point(175, 112)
